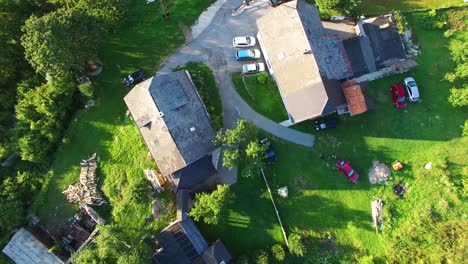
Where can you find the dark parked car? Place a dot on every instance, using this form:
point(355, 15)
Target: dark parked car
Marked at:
point(270, 155)
point(323, 124)
point(275, 3)
point(398, 95)
point(135, 78)
point(347, 170)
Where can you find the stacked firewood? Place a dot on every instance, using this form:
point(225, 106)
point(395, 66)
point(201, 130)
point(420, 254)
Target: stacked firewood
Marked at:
point(85, 191)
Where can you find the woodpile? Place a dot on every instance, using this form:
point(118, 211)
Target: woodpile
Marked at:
point(85, 191)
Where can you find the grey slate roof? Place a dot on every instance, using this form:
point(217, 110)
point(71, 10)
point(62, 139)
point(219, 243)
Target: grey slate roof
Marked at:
point(385, 43)
point(216, 253)
point(360, 55)
point(24, 248)
point(172, 119)
point(327, 49)
point(181, 243)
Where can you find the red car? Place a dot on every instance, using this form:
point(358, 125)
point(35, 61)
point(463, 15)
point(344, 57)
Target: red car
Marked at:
point(347, 170)
point(398, 95)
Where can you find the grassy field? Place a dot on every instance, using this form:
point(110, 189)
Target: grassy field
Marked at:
point(105, 129)
point(323, 204)
point(205, 83)
point(262, 97)
point(374, 7)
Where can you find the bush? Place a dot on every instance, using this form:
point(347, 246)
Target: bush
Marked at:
point(278, 252)
point(86, 89)
point(401, 22)
point(262, 78)
point(296, 246)
point(433, 21)
point(261, 257)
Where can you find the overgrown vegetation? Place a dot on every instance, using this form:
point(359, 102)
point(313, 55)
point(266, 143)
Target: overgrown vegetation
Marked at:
point(36, 107)
point(205, 83)
point(328, 8)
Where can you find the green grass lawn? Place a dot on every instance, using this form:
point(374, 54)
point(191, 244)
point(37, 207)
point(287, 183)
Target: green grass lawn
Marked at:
point(262, 97)
point(142, 42)
point(205, 83)
point(322, 203)
point(376, 7)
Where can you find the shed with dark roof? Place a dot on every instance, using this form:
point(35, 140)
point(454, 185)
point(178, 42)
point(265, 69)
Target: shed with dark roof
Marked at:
point(181, 243)
point(216, 254)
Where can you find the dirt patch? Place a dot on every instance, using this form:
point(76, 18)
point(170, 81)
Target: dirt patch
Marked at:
point(159, 209)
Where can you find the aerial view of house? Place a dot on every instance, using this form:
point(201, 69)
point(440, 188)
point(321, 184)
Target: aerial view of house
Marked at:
point(240, 131)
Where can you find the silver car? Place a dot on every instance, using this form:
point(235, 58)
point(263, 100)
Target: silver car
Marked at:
point(411, 89)
point(253, 68)
point(243, 42)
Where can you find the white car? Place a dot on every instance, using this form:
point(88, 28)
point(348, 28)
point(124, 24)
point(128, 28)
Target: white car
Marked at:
point(243, 42)
point(411, 89)
point(253, 68)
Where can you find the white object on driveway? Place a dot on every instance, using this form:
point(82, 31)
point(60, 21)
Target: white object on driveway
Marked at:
point(245, 41)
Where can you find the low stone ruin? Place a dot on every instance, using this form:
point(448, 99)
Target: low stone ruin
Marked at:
point(85, 191)
point(379, 173)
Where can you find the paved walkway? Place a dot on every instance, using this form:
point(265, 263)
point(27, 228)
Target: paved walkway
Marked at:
point(213, 46)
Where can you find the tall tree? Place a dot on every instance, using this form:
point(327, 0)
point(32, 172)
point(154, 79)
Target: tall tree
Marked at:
point(241, 144)
point(61, 42)
point(208, 207)
point(41, 112)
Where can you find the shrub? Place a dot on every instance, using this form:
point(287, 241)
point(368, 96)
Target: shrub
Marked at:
point(262, 78)
point(278, 252)
point(261, 257)
point(459, 97)
point(401, 22)
point(433, 21)
point(296, 246)
point(86, 89)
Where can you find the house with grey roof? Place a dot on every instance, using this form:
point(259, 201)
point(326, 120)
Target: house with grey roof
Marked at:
point(177, 129)
point(182, 243)
point(308, 58)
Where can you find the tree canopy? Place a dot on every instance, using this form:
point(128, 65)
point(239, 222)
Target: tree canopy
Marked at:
point(208, 207)
point(60, 42)
point(241, 144)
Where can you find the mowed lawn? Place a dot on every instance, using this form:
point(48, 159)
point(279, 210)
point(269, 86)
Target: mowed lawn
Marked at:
point(322, 203)
point(264, 98)
point(374, 7)
point(142, 42)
